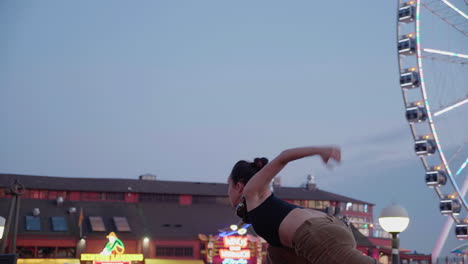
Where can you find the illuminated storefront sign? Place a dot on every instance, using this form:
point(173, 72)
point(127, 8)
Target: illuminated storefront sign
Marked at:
point(113, 262)
point(104, 258)
point(236, 252)
point(235, 261)
point(112, 253)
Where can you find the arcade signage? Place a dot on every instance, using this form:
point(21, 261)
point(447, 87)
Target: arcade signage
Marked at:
point(113, 253)
point(236, 250)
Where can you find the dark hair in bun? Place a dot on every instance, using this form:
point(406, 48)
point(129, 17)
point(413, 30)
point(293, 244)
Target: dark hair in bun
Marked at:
point(243, 170)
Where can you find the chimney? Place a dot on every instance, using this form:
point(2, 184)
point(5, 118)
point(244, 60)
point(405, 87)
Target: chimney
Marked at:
point(147, 177)
point(311, 183)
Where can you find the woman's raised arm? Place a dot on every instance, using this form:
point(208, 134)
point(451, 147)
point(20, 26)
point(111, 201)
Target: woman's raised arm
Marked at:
point(259, 184)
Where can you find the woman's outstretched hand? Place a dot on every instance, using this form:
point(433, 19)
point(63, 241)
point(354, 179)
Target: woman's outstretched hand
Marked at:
point(331, 153)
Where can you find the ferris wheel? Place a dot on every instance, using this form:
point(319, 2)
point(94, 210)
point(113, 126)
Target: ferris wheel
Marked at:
point(432, 41)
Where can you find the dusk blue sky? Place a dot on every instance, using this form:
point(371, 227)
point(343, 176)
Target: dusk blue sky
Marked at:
point(184, 89)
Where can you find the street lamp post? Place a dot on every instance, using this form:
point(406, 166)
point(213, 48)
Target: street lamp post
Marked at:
point(394, 219)
point(2, 226)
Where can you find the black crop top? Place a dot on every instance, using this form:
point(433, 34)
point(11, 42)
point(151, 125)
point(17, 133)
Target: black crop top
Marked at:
point(267, 217)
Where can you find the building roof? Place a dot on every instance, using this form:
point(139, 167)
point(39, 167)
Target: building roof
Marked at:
point(157, 186)
point(161, 220)
point(146, 219)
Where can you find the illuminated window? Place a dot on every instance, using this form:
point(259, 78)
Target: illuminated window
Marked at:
point(311, 204)
point(33, 223)
point(361, 208)
point(121, 224)
point(59, 223)
point(319, 204)
point(97, 225)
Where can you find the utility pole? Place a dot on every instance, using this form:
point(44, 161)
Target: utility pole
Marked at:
point(16, 190)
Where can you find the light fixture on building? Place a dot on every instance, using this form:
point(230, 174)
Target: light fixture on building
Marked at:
point(36, 211)
point(242, 231)
point(59, 200)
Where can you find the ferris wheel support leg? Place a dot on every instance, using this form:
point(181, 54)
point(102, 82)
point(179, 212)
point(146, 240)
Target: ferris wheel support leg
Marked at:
point(442, 238)
point(447, 226)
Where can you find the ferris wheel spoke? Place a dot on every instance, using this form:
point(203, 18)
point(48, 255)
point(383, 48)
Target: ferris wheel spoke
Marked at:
point(447, 53)
point(457, 21)
point(457, 152)
point(462, 167)
point(445, 56)
point(451, 106)
point(455, 8)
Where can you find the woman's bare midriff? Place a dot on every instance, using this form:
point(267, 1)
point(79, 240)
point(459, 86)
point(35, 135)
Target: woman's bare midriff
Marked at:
point(293, 221)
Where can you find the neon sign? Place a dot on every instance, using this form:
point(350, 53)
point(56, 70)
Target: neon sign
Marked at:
point(235, 241)
point(123, 257)
point(236, 252)
point(112, 253)
point(234, 261)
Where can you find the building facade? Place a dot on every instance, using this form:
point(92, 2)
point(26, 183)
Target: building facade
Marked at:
point(145, 220)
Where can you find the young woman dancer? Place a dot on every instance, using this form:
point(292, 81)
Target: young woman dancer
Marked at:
point(313, 235)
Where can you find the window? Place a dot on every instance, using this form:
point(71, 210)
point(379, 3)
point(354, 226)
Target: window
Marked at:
point(361, 208)
point(97, 225)
point(66, 252)
point(168, 198)
point(113, 196)
point(297, 202)
point(45, 252)
point(90, 196)
point(26, 252)
point(59, 223)
point(364, 231)
point(311, 204)
point(319, 204)
point(34, 194)
point(43, 194)
point(52, 195)
point(121, 224)
point(168, 251)
point(33, 223)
